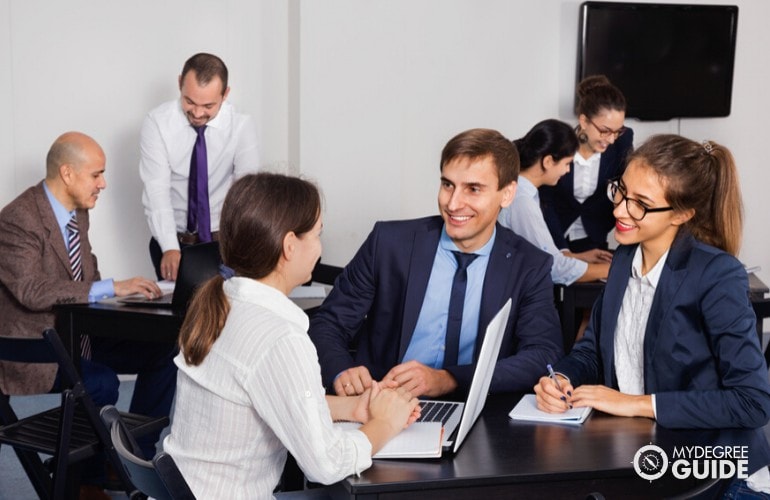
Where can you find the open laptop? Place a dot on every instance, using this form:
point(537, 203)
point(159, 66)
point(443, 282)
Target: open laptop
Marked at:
point(197, 264)
point(456, 418)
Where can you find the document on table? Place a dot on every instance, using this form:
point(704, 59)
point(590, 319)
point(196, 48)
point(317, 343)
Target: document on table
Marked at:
point(308, 292)
point(526, 409)
point(419, 440)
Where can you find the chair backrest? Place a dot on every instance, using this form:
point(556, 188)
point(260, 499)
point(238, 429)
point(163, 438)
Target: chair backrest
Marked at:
point(53, 432)
point(160, 478)
point(26, 350)
point(326, 274)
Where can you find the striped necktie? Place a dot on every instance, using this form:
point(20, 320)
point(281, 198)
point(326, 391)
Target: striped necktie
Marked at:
point(73, 249)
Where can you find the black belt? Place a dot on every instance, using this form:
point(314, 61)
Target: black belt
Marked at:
point(192, 238)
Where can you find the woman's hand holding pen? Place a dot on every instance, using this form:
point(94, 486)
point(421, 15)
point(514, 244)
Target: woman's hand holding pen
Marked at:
point(553, 397)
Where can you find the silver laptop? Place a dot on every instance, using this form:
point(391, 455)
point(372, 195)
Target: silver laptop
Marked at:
point(457, 417)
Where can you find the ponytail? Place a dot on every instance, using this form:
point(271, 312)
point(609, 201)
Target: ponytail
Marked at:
point(701, 177)
point(205, 318)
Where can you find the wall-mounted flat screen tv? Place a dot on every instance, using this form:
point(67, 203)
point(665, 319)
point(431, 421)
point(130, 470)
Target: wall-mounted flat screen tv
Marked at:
point(669, 60)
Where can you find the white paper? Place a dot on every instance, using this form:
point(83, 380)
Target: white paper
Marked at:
point(308, 292)
point(419, 440)
point(526, 409)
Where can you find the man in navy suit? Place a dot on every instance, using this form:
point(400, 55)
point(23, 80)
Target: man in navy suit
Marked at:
point(391, 302)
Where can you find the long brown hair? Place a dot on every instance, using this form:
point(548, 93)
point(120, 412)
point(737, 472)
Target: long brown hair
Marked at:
point(702, 177)
point(259, 210)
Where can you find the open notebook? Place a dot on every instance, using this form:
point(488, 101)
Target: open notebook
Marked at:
point(526, 409)
point(430, 439)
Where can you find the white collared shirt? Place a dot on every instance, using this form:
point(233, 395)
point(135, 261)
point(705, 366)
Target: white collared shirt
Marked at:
point(166, 144)
point(256, 394)
point(632, 323)
point(525, 218)
point(585, 177)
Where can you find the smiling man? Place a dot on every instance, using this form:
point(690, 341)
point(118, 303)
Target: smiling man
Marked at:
point(392, 302)
point(192, 149)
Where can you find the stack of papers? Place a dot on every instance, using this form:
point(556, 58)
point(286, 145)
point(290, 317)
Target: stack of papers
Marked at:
point(526, 409)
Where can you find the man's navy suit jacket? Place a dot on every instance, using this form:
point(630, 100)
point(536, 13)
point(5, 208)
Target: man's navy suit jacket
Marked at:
point(376, 301)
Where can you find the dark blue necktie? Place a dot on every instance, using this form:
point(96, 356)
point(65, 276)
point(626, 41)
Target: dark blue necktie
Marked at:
point(456, 301)
point(198, 215)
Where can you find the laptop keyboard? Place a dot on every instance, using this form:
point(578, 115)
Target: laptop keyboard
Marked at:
point(436, 411)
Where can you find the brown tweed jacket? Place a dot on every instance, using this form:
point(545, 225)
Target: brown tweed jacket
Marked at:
point(35, 274)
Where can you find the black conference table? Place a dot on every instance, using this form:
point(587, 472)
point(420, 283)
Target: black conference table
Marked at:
point(499, 459)
point(502, 458)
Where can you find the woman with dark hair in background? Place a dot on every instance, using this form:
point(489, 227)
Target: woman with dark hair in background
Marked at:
point(546, 153)
point(249, 384)
point(576, 210)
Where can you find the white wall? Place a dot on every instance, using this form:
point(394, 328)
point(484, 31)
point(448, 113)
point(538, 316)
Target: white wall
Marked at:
point(99, 67)
point(360, 95)
point(384, 85)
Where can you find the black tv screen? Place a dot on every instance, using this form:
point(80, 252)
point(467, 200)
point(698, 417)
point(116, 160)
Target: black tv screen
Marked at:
point(669, 60)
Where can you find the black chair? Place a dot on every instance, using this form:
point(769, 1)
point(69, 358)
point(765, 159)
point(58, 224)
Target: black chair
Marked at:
point(159, 478)
point(326, 274)
point(68, 433)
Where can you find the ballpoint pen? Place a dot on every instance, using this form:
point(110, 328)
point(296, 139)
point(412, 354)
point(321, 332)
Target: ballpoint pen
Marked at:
point(552, 374)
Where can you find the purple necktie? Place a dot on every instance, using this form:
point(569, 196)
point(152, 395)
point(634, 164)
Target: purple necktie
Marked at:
point(198, 216)
point(454, 320)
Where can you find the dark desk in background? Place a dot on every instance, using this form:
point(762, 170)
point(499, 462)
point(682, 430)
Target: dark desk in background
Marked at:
point(502, 458)
point(111, 319)
point(573, 299)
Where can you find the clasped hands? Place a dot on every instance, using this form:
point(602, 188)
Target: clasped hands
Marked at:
point(413, 376)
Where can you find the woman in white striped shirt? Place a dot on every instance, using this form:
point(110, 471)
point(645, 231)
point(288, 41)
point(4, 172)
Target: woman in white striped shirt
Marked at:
point(249, 384)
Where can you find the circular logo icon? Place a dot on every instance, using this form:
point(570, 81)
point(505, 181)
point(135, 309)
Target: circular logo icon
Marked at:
point(650, 462)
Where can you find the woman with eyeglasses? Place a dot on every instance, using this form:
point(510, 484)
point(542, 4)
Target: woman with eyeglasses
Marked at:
point(577, 212)
point(672, 337)
point(545, 154)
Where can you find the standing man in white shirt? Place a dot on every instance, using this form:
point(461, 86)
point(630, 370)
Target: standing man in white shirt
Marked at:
point(192, 149)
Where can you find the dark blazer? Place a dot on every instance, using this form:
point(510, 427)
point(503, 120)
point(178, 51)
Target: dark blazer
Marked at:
point(35, 274)
point(561, 209)
point(702, 358)
point(377, 299)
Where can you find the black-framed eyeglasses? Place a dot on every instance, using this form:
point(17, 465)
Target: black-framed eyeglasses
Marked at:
point(616, 192)
point(606, 132)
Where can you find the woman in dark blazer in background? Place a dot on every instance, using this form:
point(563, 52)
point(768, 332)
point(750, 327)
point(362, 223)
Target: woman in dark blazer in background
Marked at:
point(577, 210)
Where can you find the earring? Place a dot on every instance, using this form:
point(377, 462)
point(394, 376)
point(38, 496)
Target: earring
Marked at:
point(581, 134)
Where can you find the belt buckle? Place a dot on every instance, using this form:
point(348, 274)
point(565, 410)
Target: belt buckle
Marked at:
point(188, 238)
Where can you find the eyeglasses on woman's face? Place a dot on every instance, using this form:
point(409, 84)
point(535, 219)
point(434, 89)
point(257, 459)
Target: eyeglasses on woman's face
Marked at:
point(605, 131)
point(616, 192)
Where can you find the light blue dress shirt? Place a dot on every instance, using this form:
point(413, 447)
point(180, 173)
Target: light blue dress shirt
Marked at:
point(525, 218)
point(428, 340)
point(103, 289)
